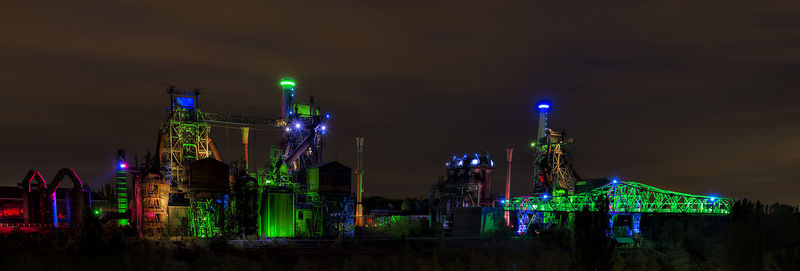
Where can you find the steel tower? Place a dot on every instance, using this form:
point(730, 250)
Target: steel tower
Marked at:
point(122, 187)
point(554, 174)
point(184, 137)
point(302, 138)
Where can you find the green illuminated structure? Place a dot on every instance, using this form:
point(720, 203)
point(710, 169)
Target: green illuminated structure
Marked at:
point(615, 198)
point(122, 187)
point(184, 138)
point(625, 197)
point(203, 218)
point(277, 214)
point(557, 197)
point(277, 198)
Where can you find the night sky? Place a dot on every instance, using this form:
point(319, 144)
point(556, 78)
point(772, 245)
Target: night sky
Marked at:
point(694, 96)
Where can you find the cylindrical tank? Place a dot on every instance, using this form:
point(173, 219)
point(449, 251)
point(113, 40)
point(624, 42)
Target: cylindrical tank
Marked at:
point(78, 202)
point(154, 192)
point(32, 208)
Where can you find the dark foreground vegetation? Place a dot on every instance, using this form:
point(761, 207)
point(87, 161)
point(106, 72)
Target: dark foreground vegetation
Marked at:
point(755, 237)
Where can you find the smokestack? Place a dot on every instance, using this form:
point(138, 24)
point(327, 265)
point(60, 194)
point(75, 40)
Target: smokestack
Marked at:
point(287, 85)
point(360, 180)
point(509, 153)
point(245, 139)
point(544, 109)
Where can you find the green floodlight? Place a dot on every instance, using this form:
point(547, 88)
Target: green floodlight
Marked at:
point(287, 82)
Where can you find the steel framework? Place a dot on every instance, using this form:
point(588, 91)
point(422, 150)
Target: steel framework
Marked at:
point(122, 187)
point(553, 173)
point(467, 185)
point(203, 218)
point(186, 136)
point(624, 197)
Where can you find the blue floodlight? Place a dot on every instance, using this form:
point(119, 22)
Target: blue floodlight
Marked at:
point(475, 162)
point(185, 102)
point(713, 199)
point(546, 196)
point(614, 181)
point(544, 106)
point(327, 116)
point(460, 163)
point(291, 112)
point(297, 125)
point(323, 128)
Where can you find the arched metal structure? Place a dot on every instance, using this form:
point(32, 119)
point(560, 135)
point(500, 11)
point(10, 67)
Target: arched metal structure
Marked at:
point(40, 200)
point(37, 207)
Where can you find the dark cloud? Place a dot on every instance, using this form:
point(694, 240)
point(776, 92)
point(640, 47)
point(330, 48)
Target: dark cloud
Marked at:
point(692, 96)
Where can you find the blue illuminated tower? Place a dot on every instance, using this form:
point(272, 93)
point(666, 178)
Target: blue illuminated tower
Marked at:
point(544, 109)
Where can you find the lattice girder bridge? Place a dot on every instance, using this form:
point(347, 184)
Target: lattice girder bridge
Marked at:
point(624, 197)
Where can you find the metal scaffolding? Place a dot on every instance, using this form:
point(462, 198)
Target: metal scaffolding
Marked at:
point(184, 137)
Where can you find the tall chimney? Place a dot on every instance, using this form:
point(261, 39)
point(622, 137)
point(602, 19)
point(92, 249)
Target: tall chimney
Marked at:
point(509, 153)
point(544, 109)
point(360, 180)
point(245, 139)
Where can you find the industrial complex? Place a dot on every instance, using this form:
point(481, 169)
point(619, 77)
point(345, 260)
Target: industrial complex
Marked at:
point(184, 189)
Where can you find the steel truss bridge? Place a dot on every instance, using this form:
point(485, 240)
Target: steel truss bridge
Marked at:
point(616, 197)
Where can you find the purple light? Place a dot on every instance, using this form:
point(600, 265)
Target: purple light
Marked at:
point(123, 165)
